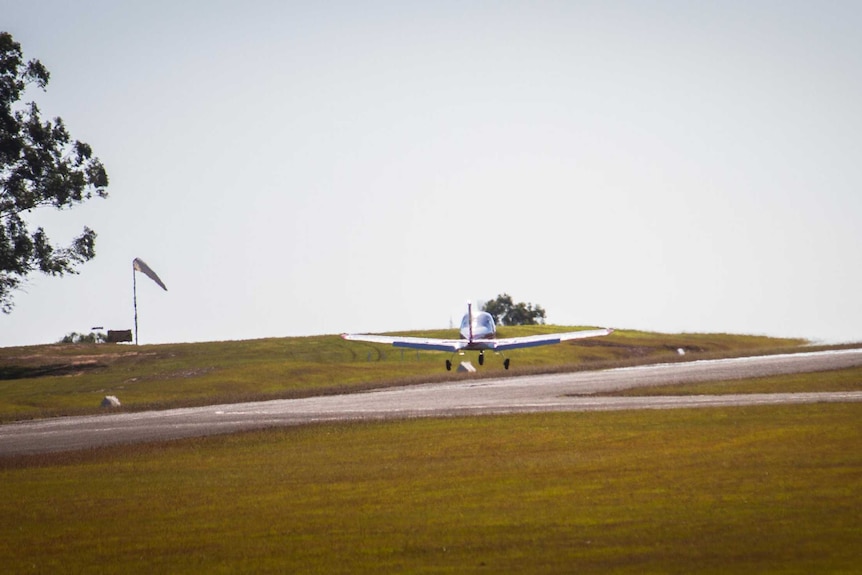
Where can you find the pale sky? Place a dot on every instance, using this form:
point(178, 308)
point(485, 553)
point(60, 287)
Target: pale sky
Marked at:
point(294, 168)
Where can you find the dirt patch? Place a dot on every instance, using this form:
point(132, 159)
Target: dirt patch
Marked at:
point(52, 362)
point(55, 358)
point(10, 372)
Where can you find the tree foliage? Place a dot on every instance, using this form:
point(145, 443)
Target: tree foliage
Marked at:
point(92, 337)
point(40, 166)
point(506, 312)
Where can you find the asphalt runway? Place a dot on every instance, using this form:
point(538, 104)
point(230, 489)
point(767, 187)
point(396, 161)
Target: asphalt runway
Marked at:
point(558, 392)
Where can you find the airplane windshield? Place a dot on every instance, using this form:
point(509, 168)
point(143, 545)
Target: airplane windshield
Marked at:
point(485, 322)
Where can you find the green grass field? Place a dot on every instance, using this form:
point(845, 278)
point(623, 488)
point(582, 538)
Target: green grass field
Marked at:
point(742, 490)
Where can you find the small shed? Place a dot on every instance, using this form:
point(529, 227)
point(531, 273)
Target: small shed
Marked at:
point(119, 335)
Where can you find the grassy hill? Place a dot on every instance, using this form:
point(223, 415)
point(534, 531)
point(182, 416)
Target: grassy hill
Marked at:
point(63, 379)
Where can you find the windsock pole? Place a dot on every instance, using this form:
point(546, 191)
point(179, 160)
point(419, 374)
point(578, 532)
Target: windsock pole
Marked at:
point(135, 300)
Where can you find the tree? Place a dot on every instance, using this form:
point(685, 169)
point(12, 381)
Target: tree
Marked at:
point(506, 312)
point(40, 166)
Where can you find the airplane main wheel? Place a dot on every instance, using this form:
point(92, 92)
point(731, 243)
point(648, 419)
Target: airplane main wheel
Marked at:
point(481, 359)
point(448, 365)
point(506, 363)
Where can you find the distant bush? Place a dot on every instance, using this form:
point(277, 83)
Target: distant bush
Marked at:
point(92, 337)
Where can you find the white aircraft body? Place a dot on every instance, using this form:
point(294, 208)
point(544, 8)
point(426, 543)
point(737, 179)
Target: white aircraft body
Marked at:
point(478, 333)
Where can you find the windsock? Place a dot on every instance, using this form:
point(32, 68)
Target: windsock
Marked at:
point(142, 267)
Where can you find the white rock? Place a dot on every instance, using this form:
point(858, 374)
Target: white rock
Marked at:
point(111, 401)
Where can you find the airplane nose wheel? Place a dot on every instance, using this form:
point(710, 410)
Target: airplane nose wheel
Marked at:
point(481, 358)
point(506, 363)
point(448, 365)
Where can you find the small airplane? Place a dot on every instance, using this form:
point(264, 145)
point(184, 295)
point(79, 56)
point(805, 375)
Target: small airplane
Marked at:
point(478, 333)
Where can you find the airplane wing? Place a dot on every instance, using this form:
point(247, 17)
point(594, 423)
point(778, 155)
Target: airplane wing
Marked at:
point(453, 345)
point(430, 344)
point(504, 343)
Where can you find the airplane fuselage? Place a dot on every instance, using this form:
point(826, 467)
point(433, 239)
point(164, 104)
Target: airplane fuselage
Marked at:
point(477, 327)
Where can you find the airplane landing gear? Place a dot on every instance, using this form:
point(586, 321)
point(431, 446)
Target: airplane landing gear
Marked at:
point(448, 365)
point(506, 363)
point(481, 358)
